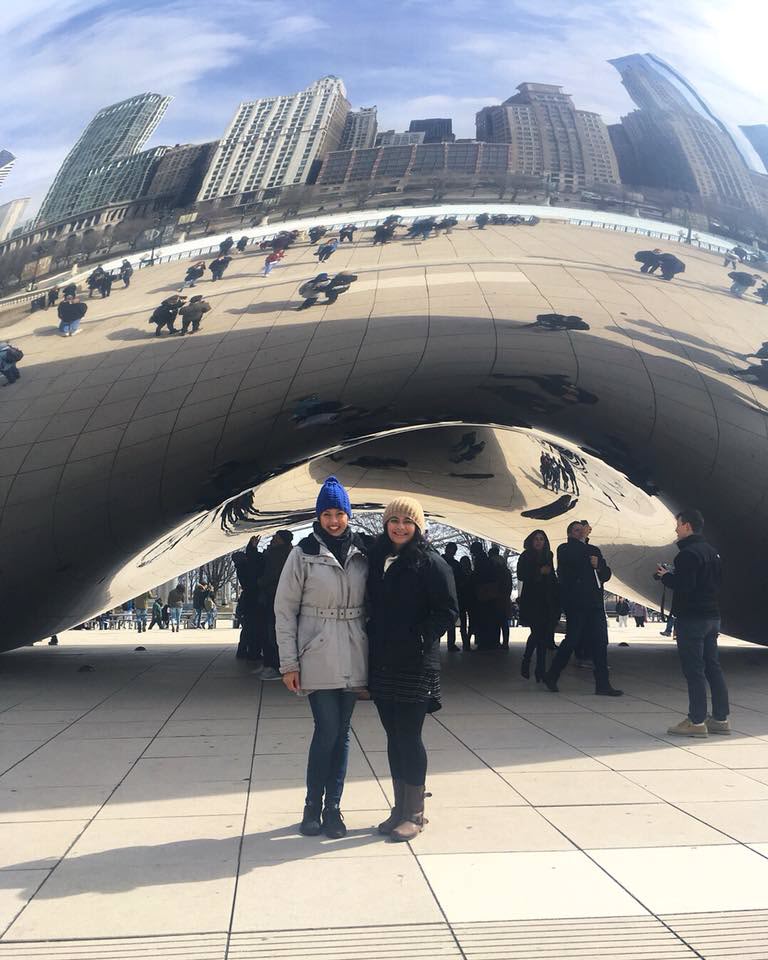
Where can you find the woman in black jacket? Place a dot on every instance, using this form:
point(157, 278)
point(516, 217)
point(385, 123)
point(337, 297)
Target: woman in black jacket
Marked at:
point(411, 604)
point(538, 602)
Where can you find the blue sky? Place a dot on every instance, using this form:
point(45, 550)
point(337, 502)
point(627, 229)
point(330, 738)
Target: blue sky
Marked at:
point(68, 58)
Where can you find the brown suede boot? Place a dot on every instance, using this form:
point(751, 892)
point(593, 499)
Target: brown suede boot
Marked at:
point(413, 815)
point(395, 817)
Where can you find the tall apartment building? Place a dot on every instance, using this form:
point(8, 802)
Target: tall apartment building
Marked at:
point(107, 163)
point(7, 160)
point(274, 142)
point(550, 137)
point(676, 140)
point(390, 138)
point(179, 174)
point(359, 129)
point(435, 129)
point(653, 84)
point(10, 215)
point(757, 134)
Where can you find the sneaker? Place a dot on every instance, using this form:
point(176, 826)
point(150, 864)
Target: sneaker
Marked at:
point(688, 729)
point(310, 821)
point(723, 727)
point(333, 823)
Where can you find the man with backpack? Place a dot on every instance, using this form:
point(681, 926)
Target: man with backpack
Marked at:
point(9, 357)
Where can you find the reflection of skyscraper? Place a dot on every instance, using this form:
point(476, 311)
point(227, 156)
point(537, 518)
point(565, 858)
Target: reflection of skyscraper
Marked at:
point(359, 129)
point(757, 134)
point(435, 129)
point(549, 136)
point(274, 142)
point(107, 163)
point(10, 214)
point(7, 160)
point(676, 139)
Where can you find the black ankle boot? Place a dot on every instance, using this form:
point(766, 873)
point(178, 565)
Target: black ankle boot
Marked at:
point(525, 668)
point(550, 683)
point(333, 823)
point(310, 821)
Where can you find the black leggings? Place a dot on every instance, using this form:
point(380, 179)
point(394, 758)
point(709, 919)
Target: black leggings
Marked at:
point(407, 755)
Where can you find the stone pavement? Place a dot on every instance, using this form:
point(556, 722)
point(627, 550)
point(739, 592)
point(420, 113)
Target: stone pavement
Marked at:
point(149, 807)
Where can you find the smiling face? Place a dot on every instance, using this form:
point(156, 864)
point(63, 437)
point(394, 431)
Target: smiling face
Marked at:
point(400, 530)
point(334, 522)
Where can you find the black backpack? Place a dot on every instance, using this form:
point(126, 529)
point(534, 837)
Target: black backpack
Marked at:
point(14, 354)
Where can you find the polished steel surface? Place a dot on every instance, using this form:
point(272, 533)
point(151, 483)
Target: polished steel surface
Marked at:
point(126, 459)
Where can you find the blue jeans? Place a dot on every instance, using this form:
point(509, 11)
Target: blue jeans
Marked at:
point(329, 750)
point(697, 646)
point(176, 613)
point(198, 617)
point(141, 620)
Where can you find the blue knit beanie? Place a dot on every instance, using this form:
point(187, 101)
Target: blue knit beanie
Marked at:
point(333, 496)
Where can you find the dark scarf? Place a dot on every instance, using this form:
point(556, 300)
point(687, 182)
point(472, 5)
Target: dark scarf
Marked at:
point(339, 546)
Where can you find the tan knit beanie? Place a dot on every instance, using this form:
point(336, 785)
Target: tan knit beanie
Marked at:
point(406, 507)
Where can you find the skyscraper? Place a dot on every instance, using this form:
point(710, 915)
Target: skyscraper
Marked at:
point(549, 136)
point(7, 160)
point(107, 163)
point(435, 129)
point(10, 214)
point(274, 142)
point(757, 134)
point(359, 129)
point(677, 141)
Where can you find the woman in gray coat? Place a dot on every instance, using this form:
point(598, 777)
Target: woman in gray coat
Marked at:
point(320, 627)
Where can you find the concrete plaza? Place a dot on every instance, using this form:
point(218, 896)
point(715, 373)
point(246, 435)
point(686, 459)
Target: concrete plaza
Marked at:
point(149, 809)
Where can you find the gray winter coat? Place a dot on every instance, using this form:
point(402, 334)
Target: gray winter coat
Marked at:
point(320, 617)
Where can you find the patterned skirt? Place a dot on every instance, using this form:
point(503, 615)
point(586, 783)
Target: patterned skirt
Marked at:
point(403, 686)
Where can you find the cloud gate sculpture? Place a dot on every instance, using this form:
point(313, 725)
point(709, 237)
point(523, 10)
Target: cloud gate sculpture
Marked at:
point(448, 370)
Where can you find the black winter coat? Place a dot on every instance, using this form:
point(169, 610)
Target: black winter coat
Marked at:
point(696, 579)
point(581, 586)
point(68, 311)
point(539, 600)
point(409, 608)
point(249, 564)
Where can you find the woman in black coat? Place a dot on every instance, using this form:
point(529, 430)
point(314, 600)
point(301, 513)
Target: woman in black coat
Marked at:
point(539, 602)
point(411, 604)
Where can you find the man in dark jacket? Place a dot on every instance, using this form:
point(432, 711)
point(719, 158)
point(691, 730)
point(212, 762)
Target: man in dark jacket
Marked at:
point(581, 594)
point(226, 245)
point(695, 580)
point(275, 556)
point(604, 574)
point(649, 260)
point(742, 281)
point(670, 266)
point(218, 266)
point(242, 243)
point(70, 312)
point(192, 313)
point(249, 564)
point(53, 296)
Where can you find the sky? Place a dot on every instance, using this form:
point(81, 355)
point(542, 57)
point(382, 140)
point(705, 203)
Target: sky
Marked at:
point(65, 59)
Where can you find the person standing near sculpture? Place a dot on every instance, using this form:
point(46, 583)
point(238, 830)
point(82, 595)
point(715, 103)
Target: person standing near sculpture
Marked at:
point(539, 601)
point(581, 594)
point(320, 628)
point(412, 603)
point(695, 581)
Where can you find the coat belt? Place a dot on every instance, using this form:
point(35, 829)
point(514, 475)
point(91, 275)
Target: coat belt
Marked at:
point(332, 613)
